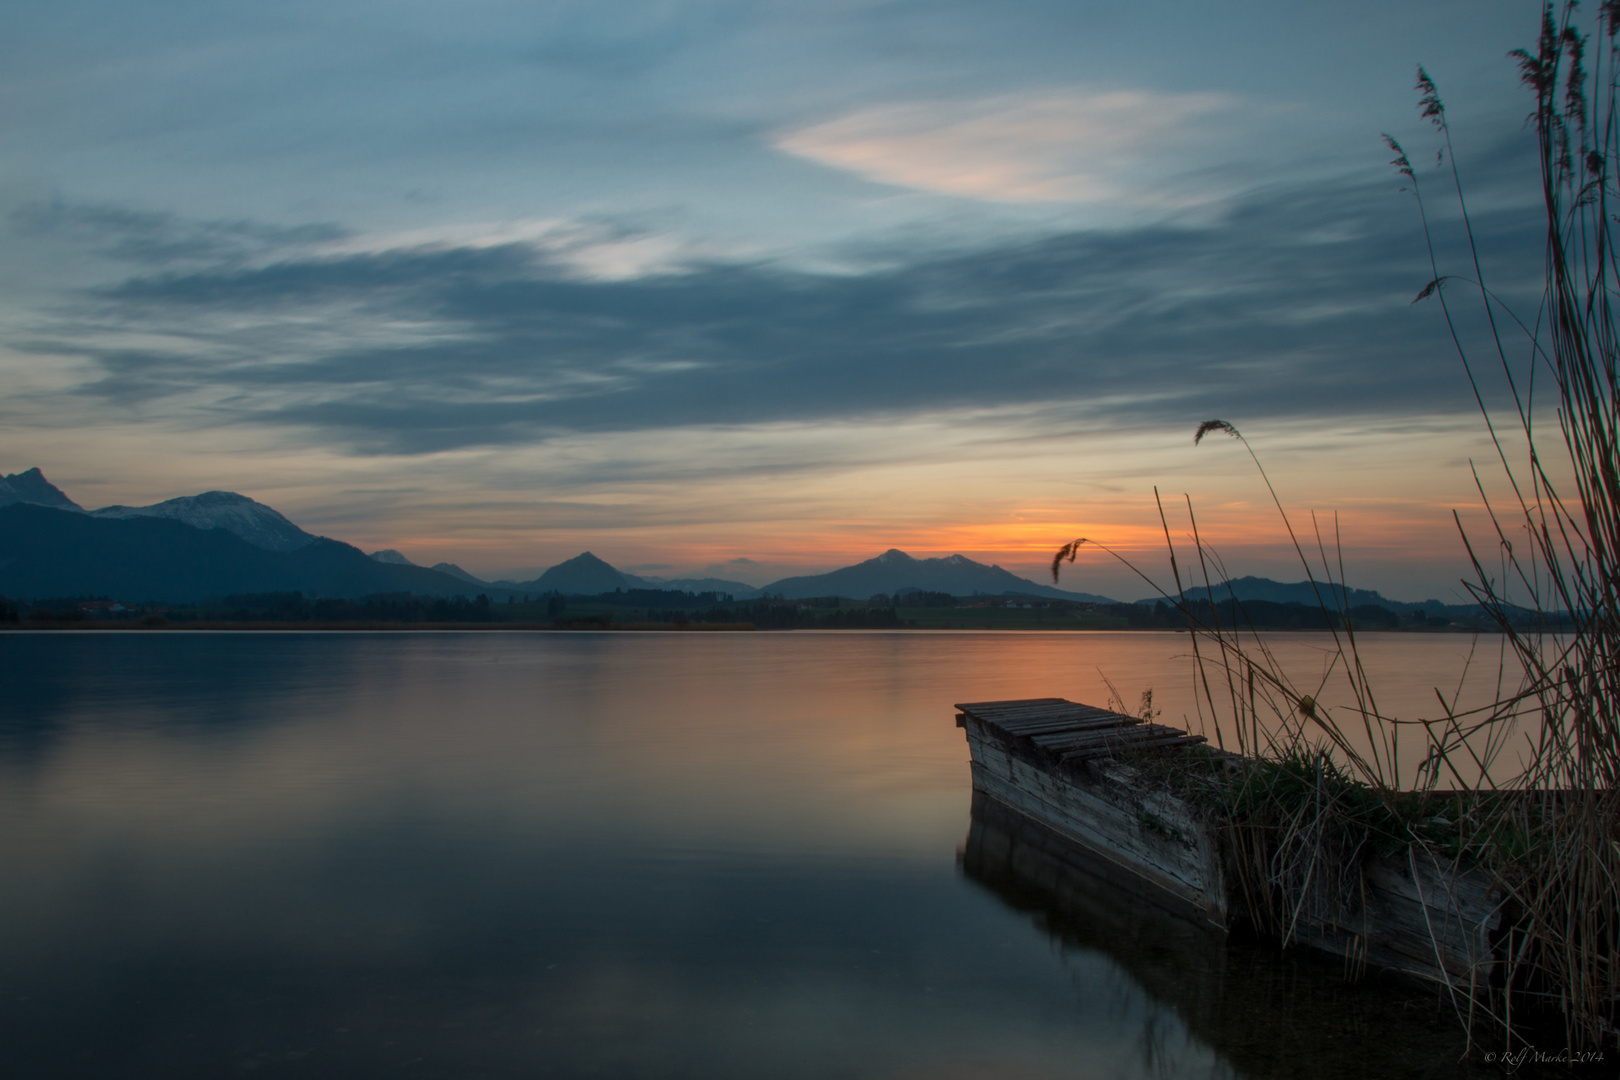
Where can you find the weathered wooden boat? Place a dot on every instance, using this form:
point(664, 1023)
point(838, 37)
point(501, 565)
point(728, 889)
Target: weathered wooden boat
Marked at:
point(1057, 762)
point(1076, 771)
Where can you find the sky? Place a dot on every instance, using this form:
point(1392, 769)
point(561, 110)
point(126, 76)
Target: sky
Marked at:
point(762, 288)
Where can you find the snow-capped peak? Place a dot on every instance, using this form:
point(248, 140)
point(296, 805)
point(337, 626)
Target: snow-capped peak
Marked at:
point(253, 521)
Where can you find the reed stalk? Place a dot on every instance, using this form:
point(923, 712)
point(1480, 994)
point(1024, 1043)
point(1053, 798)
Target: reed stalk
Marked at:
point(1323, 789)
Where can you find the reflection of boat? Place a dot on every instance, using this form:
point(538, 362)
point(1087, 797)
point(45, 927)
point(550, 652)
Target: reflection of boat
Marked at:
point(1089, 903)
point(1266, 1014)
point(1054, 762)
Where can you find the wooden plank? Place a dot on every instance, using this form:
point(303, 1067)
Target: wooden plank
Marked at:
point(1102, 723)
point(1034, 709)
point(1124, 726)
point(1099, 737)
point(1056, 716)
point(1109, 749)
point(978, 707)
point(1067, 749)
point(1041, 719)
point(1030, 725)
point(1069, 730)
point(1047, 730)
point(1121, 737)
point(1140, 736)
point(1089, 754)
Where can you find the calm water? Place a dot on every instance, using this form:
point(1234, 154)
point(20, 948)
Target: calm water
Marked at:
point(677, 855)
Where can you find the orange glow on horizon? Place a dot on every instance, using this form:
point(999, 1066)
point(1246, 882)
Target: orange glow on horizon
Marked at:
point(964, 484)
point(1244, 537)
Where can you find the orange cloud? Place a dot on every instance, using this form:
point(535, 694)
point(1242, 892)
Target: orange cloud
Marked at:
point(1074, 146)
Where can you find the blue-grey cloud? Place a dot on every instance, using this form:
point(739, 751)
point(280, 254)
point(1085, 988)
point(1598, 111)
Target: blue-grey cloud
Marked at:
point(161, 239)
point(1297, 302)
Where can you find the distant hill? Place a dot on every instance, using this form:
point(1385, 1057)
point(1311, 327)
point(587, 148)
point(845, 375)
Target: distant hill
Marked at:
point(583, 575)
point(895, 571)
point(51, 552)
point(587, 575)
point(457, 572)
point(1312, 594)
point(509, 579)
point(397, 558)
point(699, 585)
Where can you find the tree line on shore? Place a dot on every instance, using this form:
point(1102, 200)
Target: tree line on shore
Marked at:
point(661, 606)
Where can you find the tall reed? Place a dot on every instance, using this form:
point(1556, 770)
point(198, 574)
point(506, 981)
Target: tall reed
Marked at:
point(1327, 786)
point(1565, 946)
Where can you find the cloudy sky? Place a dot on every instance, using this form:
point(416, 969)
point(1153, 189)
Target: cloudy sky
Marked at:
point(753, 286)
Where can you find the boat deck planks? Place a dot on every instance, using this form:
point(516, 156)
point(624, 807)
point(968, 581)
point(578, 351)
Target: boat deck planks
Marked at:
point(1073, 732)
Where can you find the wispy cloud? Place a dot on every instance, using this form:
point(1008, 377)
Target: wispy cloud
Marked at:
point(1294, 302)
point(164, 239)
point(1119, 147)
point(589, 250)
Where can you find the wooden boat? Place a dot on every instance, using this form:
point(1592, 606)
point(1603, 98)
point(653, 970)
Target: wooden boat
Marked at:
point(1068, 768)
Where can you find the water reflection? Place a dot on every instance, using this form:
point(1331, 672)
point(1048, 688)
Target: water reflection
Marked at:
point(518, 855)
point(1265, 1015)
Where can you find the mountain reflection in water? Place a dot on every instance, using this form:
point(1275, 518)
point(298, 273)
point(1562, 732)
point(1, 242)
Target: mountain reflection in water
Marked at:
point(515, 855)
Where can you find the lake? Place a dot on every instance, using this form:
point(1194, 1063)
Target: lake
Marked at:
point(614, 855)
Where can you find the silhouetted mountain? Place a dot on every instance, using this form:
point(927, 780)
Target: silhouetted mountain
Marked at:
point(396, 558)
point(46, 552)
point(513, 577)
point(587, 575)
point(32, 487)
point(457, 572)
point(894, 571)
point(1314, 595)
point(253, 521)
point(583, 575)
point(699, 585)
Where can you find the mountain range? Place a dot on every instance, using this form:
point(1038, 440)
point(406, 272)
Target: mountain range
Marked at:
point(221, 543)
point(215, 544)
point(891, 573)
point(584, 575)
point(894, 571)
point(1313, 594)
point(252, 521)
point(49, 552)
